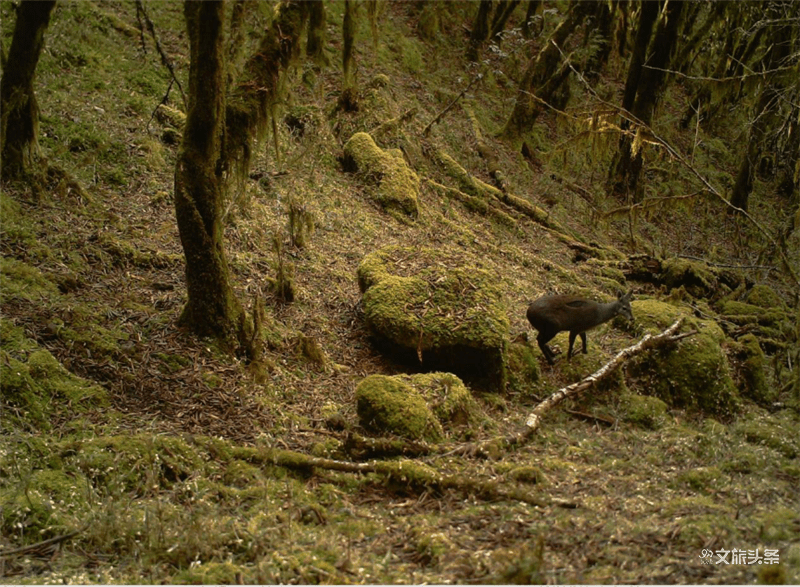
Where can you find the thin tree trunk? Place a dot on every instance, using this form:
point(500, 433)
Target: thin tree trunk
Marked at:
point(348, 101)
point(540, 69)
point(501, 17)
point(764, 116)
point(480, 30)
point(315, 46)
point(212, 309)
point(651, 81)
point(19, 124)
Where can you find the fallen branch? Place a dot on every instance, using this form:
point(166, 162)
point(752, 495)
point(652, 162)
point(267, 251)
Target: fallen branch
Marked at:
point(649, 341)
point(497, 446)
point(42, 545)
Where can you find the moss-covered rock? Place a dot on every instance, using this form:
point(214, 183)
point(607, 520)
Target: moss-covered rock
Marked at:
point(451, 318)
point(698, 278)
point(695, 374)
point(643, 410)
point(522, 368)
point(427, 406)
point(397, 184)
point(764, 296)
point(752, 364)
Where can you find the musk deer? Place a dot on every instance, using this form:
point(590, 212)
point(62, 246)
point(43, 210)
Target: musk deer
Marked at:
point(553, 314)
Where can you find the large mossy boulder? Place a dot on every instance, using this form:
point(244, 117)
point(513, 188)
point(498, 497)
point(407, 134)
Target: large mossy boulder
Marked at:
point(430, 308)
point(426, 406)
point(397, 187)
point(695, 374)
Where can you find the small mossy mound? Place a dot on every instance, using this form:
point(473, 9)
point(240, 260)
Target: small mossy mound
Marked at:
point(695, 374)
point(210, 573)
point(752, 364)
point(779, 434)
point(522, 368)
point(19, 281)
point(34, 390)
point(43, 505)
point(419, 305)
point(764, 296)
point(643, 410)
point(397, 184)
point(427, 406)
point(697, 277)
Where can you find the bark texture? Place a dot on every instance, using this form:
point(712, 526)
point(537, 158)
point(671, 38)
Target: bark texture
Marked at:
point(19, 128)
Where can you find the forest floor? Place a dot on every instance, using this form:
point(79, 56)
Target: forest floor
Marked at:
point(146, 463)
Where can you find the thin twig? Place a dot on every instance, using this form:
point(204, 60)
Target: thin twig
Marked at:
point(164, 59)
point(439, 116)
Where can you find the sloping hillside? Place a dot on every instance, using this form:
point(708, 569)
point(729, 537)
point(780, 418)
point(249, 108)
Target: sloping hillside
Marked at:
point(133, 451)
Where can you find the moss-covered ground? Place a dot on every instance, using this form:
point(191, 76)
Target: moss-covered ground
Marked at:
point(143, 454)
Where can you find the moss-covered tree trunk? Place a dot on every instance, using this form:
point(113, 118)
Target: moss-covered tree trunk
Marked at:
point(315, 46)
point(541, 78)
point(480, 29)
point(348, 101)
point(765, 116)
point(212, 309)
point(20, 111)
point(628, 164)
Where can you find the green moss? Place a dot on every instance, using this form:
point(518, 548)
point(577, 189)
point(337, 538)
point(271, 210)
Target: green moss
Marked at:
point(778, 524)
point(764, 296)
point(522, 368)
point(742, 313)
point(211, 573)
point(448, 398)
point(527, 474)
point(702, 479)
point(390, 404)
point(34, 390)
point(138, 463)
point(452, 319)
point(777, 434)
point(19, 281)
point(653, 316)
point(13, 339)
point(752, 364)
point(42, 505)
point(642, 410)
point(697, 277)
point(397, 184)
point(694, 374)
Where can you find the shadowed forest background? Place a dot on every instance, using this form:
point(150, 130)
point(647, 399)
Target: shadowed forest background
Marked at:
point(265, 272)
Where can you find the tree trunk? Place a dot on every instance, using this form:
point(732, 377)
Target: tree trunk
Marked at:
point(19, 125)
point(647, 18)
point(534, 87)
point(765, 114)
point(480, 30)
point(212, 309)
point(601, 28)
point(315, 46)
point(348, 101)
point(628, 165)
point(534, 6)
point(502, 14)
